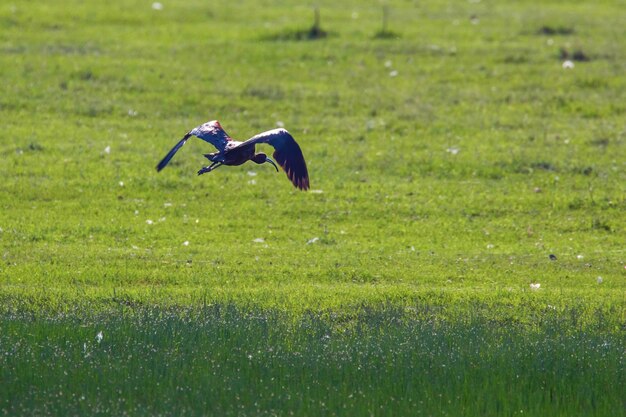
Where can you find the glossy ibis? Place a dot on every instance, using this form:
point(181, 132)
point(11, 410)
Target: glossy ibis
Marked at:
point(231, 152)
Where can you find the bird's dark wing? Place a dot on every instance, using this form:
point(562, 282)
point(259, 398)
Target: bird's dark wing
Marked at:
point(213, 133)
point(287, 153)
point(171, 153)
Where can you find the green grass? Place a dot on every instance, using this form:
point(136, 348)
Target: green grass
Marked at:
point(228, 362)
point(448, 161)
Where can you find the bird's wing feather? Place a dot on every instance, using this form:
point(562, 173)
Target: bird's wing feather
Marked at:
point(212, 134)
point(287, 153)
point(172, 152)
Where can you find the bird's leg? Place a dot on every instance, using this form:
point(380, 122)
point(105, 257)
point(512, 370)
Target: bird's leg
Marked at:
point(210, 168)
point(211, 156)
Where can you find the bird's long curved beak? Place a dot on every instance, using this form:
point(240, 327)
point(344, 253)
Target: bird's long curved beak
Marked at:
point(271, 162)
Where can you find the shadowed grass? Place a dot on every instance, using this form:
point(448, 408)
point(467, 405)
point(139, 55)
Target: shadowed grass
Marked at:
point(223, 360)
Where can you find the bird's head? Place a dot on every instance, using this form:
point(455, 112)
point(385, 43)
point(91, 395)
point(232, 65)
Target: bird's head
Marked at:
point(261, 158)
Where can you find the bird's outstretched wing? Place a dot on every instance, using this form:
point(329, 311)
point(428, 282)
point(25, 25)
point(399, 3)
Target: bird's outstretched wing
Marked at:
point(287, 153)
point(213, 133)
point(210, 132)
point(172, 152)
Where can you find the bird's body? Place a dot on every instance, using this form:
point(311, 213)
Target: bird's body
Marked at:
point(235, 153)
point(231, 152)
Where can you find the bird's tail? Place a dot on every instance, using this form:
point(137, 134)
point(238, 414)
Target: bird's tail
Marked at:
point(172, 152)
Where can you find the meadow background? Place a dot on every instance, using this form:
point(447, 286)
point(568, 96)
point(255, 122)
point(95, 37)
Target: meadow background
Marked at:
point(450, 155)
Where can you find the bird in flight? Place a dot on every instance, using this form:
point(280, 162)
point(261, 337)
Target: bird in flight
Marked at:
point(287, 152)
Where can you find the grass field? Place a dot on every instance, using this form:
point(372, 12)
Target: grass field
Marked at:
point(449, 158)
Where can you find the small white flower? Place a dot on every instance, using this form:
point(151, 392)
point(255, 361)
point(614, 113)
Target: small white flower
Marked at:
point(313, 240)
point(121, 183)
point(157, 6)
point(107, 150)
point(132, 113)
point(197, 220)
point(252, 173)
point(453, 150)
point(252, 182)
point(535, 286)
point(599, 280)
point(149, 221)
point(550, 41)
point(186, 243)
point(579, 257)
point(167, 204)
point(136, 212)
point(279, 123)
point(99, 336)
point(316, 191)
point(568, 64)
point(259, 240)
point(387, 64)
point(393, 73)
point(490, 246)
